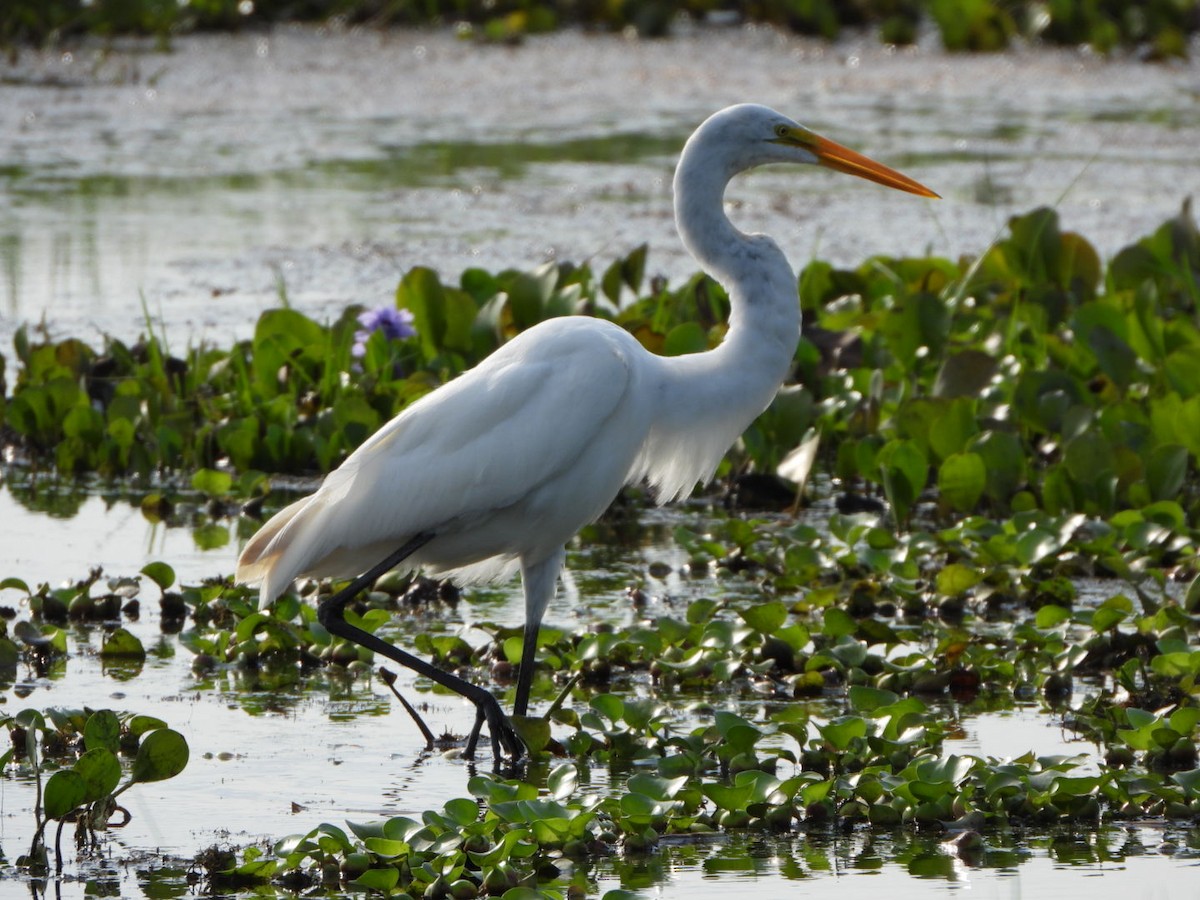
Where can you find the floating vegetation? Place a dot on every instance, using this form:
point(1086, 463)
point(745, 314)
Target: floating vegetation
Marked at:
point(1001, 456)
point(1030, 377)
point(82, 751)
point(1161, 27)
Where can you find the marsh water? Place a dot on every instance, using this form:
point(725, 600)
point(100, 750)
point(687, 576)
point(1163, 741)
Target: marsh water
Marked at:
point(193, 187)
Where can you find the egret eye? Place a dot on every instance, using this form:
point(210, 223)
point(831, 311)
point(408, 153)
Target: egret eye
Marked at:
point(781, 131)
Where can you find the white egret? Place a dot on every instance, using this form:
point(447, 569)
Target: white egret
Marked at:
point(497, 469)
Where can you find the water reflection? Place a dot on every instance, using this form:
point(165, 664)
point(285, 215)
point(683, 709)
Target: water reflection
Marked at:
point(199, 194)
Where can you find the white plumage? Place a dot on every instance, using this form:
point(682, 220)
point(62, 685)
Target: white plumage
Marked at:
point(499, 468)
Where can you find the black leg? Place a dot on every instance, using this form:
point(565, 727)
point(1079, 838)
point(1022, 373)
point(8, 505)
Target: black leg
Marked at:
point(525, 671)
point(331, 614)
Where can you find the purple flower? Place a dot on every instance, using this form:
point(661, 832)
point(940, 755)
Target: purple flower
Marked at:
point(394, 323)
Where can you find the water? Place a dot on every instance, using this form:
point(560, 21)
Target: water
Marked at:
point(201, 181)
point(270, 760)
point(195, 185)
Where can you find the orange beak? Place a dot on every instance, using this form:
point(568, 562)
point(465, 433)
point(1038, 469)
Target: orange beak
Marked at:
point(833, 155)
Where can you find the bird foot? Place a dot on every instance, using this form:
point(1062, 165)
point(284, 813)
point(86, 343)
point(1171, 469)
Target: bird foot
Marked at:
point(506, 743)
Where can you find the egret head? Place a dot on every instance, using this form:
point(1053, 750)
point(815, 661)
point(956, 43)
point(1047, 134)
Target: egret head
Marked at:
point(750, 135)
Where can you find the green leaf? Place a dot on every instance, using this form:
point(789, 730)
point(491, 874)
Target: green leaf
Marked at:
point(964, 374)
point(101, 771)
point(687, 337)
point(212, 482)
point(561, 782)
point(123, 644)
point(462, 810)
point(102, 731)
point(765, 618)
point(866, 699)
point(956, 579)
point(962, 479)
point(1166, 471)
point(65, 790)
point(140, 724)
point(163, 754)
point(727, 797)
point(905, 471)
point(1051, 616)
point(841, 731)
point(160, 573)
point(838, 623)
point(382, 880)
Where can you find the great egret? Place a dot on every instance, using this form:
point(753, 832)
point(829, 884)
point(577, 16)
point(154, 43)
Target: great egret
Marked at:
point(497, 469)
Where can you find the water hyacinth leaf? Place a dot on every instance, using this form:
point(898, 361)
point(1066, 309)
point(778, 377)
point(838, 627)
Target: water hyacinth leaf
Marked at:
point(633, 267)
point(838, 623)
point(687, 337)
point(765, 618)
point(610, 282)
point(141, 724)
point(160, 573)
point(162, 754)
point(842, 731)
point(1004, 459)
point(524, 893)
point(101, 771)
point(1166, 469)
point(14, 584)
point(1115, 357)
point(1189, 781)
point(1111, 613)
point(122, 644)
point(256, 870)
point(212, 482)
point(382, 880)
point(610, 706)
point(867, 699)
point(562, 781)
point(964, 374)
point(534, 731)
point(962, 479)
point(1051, 616)
point(385, 848)
point(210, 536)
point(949, 426)
point(65, 790)
point(904, 470)
point(462, 811)
point(1178, 664)
point(956, 579)
point(725, 796)
point(247, 627)
point(45, 638)
point(1186, 719)
point(656, 787)
point(1036, 545)
point(950, 769)
point(102, 731)
point(284, 342)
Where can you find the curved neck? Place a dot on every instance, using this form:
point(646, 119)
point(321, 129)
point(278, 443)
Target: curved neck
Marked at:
point(706, 400)
point(764, 321)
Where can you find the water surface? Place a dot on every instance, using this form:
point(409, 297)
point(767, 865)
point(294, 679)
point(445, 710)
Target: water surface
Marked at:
point(196, 184)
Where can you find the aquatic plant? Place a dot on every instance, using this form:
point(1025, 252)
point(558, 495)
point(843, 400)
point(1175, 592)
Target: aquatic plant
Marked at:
point(1162, 27)
point(390, 323)
point(82, 749)
point(1029, 377)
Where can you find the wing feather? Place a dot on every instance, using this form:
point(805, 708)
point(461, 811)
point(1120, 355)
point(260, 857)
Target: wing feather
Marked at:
point(478, 444)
